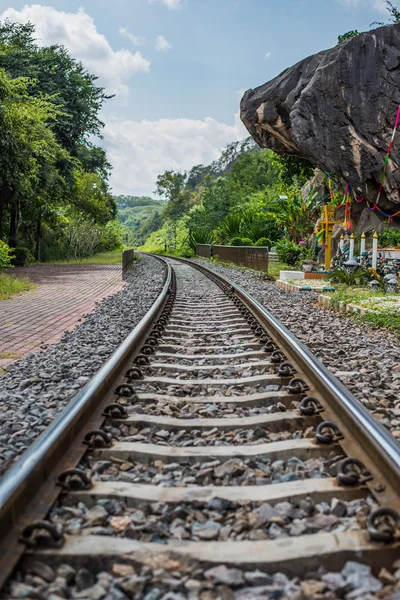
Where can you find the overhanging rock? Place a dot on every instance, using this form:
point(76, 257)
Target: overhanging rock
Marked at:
point(337, 109)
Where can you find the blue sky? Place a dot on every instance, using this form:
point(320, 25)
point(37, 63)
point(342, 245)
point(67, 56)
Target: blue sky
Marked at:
point(179, 67)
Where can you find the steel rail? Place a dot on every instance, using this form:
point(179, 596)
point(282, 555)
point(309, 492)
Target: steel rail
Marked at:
point(381, 447)
point(22, 482)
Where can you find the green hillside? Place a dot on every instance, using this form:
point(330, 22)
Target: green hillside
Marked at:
point(135, 214)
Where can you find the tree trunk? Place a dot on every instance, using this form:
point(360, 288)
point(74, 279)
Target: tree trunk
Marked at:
point(4, 200)
point(1, 218)
point(38, 236)
point(15, 219)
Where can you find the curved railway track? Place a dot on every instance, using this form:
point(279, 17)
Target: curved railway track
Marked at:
point(212, 435)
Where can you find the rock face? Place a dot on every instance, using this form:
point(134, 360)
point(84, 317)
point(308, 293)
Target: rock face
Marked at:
point(337, 109)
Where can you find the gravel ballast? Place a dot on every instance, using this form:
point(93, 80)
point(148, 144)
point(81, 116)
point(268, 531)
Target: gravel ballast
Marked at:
point(37, 388)
point(366, 360)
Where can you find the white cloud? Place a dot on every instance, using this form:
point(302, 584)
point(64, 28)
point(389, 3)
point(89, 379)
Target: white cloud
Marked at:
point(140, 150)
point(162, 44)
point(379, 5)
point(135, 39)
point(78, 32)
point(170, 4)
point(268, 55)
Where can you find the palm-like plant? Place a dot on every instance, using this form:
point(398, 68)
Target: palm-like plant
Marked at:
point(201, 236)
point(295, 215)
point(248, 224)
point(231, 227)
point(355, 277)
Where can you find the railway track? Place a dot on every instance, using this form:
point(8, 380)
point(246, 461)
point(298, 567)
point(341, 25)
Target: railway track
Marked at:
point(212, 441)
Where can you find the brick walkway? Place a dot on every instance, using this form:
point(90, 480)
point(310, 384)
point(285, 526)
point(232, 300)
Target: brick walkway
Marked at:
point(39, 317)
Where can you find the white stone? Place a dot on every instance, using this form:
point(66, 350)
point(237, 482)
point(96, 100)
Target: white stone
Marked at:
point(285, 275)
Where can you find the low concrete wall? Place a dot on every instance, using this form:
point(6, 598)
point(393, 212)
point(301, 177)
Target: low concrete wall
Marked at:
point(254, 257)
point(127, 261)
point(204, 250)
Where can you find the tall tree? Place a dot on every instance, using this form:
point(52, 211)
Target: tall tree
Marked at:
point(29, 151)
point(59, 76)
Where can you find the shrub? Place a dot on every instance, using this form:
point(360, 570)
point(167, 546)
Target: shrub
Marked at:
point(21, 257)
point(264, 242)
point(111, 237)
point(357, 277)
point(81, 239)
point(389, 237)
point(6, 255)
point(288, 252)
point(246, 242)
point(236, 241)
point(293, 254)
point(201, 236)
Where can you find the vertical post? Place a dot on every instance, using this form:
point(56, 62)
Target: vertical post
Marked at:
point(351, 255)
point(127, 261)
point(328, 247)
point(374, 250)
point(362, 247)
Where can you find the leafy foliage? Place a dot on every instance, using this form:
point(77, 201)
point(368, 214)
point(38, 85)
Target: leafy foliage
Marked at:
point(10, 286)
point(357, 276)
point(201, 236)
point(393, 12)
point(5, 255)
point(348, 36)
point(21, 256)
point(389, 237)
point(289, 252)
point(239, 197)
point(264, 242)
point(295, 214)
point(51, 173)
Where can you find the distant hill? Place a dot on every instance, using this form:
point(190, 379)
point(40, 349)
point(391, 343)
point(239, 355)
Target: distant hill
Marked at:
point(134, 212)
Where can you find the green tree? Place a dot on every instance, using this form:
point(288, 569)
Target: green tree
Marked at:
point(50, 171)
point(294, 214)
point(29, 152)
point(57, 75)
point(91, 197)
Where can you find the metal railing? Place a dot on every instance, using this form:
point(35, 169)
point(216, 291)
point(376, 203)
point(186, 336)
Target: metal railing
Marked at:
point(21, 485)
point(382, 450)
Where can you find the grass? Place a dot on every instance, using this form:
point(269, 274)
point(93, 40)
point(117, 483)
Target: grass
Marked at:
point(102, 258)
point(275, 267)
point(383, 309)
point(11, 286)
point(10, 355)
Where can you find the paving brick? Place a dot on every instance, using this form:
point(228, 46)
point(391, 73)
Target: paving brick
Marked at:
point(64, 294)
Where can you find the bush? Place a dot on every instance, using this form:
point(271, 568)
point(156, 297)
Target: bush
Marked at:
point(201, 236)
point(288, 252)
point(111, 237)
point(6, 255)
point(264, 242)
point(81, 239)
point(357, 277)
point(389, 237)
point(237, 241)
point(293, 254)
point(21, 257)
